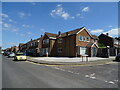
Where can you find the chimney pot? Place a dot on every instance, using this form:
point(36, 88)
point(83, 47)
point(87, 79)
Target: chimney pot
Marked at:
point(59, 33)
point(107, 34)
point(66, 33)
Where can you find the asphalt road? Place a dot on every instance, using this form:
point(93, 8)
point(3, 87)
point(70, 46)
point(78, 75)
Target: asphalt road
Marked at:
point(23, 74)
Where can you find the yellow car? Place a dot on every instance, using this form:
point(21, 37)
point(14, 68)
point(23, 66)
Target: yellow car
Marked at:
point(20, 56)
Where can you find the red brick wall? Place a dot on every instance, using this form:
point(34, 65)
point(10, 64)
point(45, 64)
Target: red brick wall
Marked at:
point(83, 43)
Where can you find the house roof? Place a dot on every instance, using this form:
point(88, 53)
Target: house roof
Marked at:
point(71, 32)
point(109, 36)
point(95, 37)
point(51, 34)
point(91, 44)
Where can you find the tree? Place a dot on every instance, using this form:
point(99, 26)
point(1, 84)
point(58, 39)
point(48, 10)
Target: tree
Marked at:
point(101, 45)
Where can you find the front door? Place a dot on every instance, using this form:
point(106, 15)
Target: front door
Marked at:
point(94, 51)
point(83, 50)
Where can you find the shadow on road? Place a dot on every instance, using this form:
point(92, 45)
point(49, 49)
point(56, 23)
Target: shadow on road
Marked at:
point(115, 61)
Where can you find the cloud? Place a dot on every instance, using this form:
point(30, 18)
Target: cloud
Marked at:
point(4, 15)
point(59, 11)
point(97, 31)
point(59, 5)
point(33, 3)
point(10, 44)
point(110, 26)
point(9, 27)
point(42, 30)
point(7, 18)
point(29, 33)
point(6, 25)
point(73, 17)
point(22, 14)
point(85, 9)
point(78, 14)
point(112, 32)
point(27, 26)
point(10, 20)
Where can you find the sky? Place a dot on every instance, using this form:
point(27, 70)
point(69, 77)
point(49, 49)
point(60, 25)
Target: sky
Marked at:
point(22, 21)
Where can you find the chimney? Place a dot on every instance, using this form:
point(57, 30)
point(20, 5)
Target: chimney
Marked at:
point(31, 39)
point(66, 33)
point(107, 34)
point(59, 33)
point(41, 35)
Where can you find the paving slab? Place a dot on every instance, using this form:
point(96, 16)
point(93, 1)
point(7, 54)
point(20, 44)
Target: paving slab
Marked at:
point(69, 61)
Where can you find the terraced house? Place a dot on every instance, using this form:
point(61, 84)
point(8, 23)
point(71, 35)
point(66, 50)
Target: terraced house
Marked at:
point(70, 44)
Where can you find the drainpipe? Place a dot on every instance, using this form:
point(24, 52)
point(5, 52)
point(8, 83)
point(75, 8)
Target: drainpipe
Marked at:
point(108, 52)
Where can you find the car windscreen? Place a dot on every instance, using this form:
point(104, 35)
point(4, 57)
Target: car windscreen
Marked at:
point(19, 54)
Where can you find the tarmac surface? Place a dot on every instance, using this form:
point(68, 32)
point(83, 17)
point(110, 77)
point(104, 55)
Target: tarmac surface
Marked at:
point(26, 74)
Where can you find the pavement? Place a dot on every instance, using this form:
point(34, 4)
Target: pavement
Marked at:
point(24, 74)
point(70, 61)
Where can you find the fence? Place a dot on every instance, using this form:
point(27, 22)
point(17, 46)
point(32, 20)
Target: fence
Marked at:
point(106, 52)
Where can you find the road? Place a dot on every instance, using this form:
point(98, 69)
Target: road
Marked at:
point(23, 74)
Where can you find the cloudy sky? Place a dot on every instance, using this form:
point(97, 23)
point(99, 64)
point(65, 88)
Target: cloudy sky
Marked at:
point(26, 20)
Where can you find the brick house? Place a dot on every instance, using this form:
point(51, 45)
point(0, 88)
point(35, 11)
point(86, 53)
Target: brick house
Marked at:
point(14, 49)
point(48, 44)
point(34, 47)
point(109, 41)
point(71, 44)
point(20, 46)
point(24, 48)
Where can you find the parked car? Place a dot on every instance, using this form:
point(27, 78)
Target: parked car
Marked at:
point(11, 55)
point(117, 57)
point(6, 53)
point(2, 52)
point(20, 56)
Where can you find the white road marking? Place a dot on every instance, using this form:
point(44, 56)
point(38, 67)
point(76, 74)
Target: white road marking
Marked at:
point(77, 73)
point(111, 82)
point(106, 81)
point(116, 80)
point(91, 76)
point(87, 76)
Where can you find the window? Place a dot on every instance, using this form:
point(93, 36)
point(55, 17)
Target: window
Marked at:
point(46, 41)
point(94, 40)
point(81, 38)
point(45, 50)
point(87, 39)
point(84, 38)
point(60, 40)
point(59, 50)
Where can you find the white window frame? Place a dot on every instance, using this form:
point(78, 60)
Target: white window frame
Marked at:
point(84, 39)
point(88, 39)
point(79, 38)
